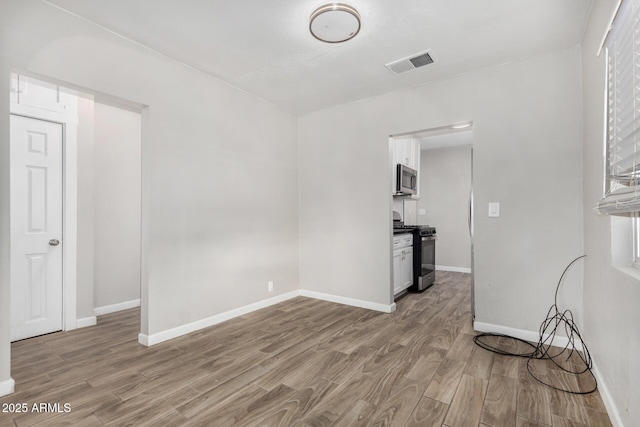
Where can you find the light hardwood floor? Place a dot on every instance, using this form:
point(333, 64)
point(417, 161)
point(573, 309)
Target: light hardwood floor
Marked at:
point(302, 362)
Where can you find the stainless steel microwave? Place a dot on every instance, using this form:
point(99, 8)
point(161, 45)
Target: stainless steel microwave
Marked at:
point(406, 181)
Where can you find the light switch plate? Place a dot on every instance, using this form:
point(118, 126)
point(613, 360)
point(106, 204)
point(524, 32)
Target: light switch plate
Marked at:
point(494, 210)
point(422, 211)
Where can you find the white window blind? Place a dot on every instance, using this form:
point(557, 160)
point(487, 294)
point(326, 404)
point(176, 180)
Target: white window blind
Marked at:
point(623, 112)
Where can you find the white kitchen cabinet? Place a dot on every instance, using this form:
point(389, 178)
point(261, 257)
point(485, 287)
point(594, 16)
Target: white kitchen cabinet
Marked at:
point(406, 151)
point(406, 269)
point(397, 272)
point(13, 91)
point(402, 262)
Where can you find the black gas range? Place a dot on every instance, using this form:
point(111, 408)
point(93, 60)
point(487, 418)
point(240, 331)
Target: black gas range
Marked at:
point(423, 230)
point(424, 254)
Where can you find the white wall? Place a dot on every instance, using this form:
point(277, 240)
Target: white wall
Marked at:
point(445, 182)
point(220, 191)
point(527, 155)
point(6, 383)
point(611, 297)
point(117, 198)
point(85, 260)
point(109, 160)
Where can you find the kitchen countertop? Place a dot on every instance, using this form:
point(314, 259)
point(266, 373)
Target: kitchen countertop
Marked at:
point(402, 231)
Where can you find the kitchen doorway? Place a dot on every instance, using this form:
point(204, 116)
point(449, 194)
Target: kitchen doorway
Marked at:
point(443, 161)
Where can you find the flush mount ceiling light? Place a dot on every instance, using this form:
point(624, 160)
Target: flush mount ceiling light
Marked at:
point(334, 23)
point(461, 126)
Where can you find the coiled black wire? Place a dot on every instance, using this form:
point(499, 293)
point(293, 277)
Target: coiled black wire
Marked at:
point(555, 322)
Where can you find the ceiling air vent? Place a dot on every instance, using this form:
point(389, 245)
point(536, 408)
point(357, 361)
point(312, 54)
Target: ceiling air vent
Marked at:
point(411, 63)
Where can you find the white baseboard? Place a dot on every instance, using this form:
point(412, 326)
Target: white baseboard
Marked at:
point(86, 321)
point(456, 269)
point(7, 387)
point(385, 308)
point(532, 336)
point(144, 340)
point(149, 340)
point(99, 311)
point(612, 408)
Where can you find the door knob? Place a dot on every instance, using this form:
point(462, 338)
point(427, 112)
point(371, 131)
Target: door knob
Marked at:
point(54, 242)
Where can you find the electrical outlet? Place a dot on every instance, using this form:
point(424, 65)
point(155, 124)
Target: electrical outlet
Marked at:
point(270, 286)
point(494, 210)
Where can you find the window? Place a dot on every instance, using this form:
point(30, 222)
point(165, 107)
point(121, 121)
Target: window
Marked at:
point(623, 113)
point(636, 239)
point(622, 147)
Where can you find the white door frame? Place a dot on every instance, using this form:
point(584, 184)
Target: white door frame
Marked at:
point(69, 204)
point(441, 130)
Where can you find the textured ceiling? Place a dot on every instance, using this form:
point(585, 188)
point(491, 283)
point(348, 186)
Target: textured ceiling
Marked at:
point(264, 46)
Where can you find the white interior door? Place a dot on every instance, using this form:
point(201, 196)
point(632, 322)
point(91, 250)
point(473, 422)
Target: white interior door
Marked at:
point(36, 227)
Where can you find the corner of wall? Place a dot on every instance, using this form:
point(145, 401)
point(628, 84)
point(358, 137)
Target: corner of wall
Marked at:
point(152, 339)
point(85, 322)
point(7, 387)
point(607, 398)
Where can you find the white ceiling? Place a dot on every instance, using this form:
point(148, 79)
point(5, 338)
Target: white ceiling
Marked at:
point(264, 46)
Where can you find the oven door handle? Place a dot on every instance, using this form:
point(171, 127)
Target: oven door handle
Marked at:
point(427, 238)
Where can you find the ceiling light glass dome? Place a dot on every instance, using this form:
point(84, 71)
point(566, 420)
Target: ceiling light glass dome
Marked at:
point(334, 23)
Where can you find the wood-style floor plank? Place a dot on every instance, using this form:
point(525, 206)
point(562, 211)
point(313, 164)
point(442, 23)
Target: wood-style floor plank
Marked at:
point(296, 408)
point(523, 422)
point(397, 407)
point(480, 363)
point(506, 366)
point(466, 407)
point(445, 382)
point(500, 403)
point(302, 362)
point(428, 413)
point(534, 400)
point(427, 364)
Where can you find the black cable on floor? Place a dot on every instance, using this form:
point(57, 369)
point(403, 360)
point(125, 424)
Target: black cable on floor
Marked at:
point(555, 321)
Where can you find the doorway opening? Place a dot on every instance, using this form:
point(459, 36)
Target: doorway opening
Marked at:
point(443, 162)
point(94, 220)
